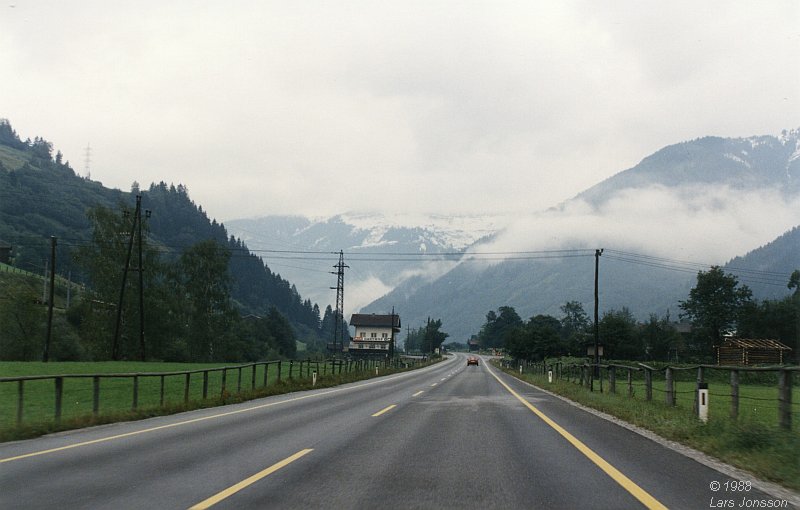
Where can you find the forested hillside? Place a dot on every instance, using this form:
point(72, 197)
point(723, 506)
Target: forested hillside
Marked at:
point(780, 257)
point(41, 196)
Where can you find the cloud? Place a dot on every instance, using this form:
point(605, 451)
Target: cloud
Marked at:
point(363, 292)
point(705, 224)
point(311, 107)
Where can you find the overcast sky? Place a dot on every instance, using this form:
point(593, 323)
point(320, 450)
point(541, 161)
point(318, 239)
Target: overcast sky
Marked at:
point(318, 108)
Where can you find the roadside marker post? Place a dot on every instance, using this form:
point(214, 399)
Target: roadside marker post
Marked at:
point(702, 401)
point(314, 378)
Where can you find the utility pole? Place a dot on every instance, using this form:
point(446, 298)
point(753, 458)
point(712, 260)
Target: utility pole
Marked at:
point(46, 355)
point(86, 161)
point(136, 217)
point(597, 254)
point(44, 280)
point(138, 220)
point(338, 330)
point(391, 343)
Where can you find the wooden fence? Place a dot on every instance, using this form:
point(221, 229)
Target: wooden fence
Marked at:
point(280, 370)
point(613, 377)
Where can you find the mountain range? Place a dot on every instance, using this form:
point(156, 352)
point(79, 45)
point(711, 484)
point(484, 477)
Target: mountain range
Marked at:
point(733, 202)
point(383, 251)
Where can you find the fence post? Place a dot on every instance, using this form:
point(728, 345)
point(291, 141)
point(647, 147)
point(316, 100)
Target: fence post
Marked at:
point(612, 379)
point(59, 395)
point(785, 398)
point(670, 387)
point(266, 372)
point(734, 394)
point(205, 384)
point(630, 383)
point(600, 377)
point(253, 378)
point(279, 370)
point(224, 380)
point(161, 400)
point(239, 381)
point(648, 384)
point(291, 366)
point(135, 403)
point(20, 400)
point(186, 388)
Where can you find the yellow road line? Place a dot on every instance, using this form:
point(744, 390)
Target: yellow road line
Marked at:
point(385, 410)
point(418, 393)
point(230, 491)
point(626, 483)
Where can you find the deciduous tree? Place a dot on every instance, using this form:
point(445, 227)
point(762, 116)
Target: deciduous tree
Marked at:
point(714, 306)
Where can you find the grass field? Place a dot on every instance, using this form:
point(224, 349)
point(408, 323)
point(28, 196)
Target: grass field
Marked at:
point(756, 402)
point(116, 394)
point(754, 442)
point(758, 391)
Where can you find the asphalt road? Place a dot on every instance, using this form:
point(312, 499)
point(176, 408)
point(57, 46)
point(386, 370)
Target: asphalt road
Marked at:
point(448, 436)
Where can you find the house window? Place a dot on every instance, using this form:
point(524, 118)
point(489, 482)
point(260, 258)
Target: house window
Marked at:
point(386, 335)
point(374, 335)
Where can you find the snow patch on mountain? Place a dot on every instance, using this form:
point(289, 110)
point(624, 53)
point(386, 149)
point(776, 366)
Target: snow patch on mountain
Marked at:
point(734, 157)
point(444, 231)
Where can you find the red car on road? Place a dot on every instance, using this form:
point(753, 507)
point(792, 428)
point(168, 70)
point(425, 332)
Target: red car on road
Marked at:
point(472, 360)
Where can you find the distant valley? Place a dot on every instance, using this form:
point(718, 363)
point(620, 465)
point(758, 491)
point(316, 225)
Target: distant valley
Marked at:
point(680, 210)
point(383, 251)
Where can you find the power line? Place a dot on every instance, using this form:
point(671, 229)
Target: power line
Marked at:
point(271, 256)
point(699, 265)
point(774, 278)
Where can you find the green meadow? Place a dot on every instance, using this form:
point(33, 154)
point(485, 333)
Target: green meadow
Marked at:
point(116, 394)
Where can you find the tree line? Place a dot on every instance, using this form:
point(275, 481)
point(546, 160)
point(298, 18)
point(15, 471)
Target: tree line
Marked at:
point(190, 314)
point(427, 338)
point(718, 306)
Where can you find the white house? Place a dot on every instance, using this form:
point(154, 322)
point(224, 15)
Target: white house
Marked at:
point(374, 335)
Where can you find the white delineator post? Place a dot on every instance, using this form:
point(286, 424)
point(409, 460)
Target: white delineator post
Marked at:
point(702, 402)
